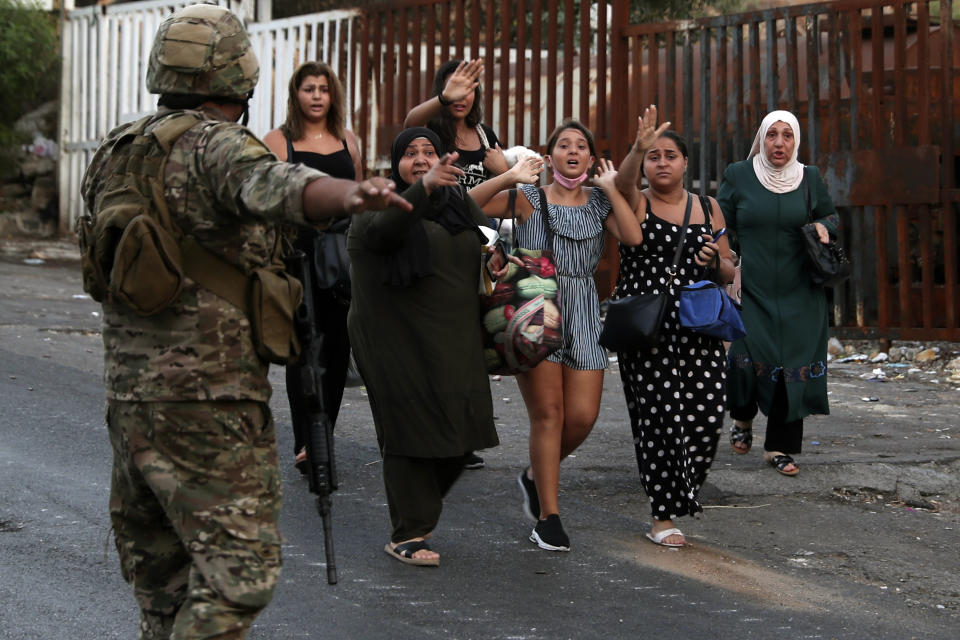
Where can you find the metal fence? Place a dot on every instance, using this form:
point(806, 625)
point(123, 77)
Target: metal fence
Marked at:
point(873, 85)
point(105, 55)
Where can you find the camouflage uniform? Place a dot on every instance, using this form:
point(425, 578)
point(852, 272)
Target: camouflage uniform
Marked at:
point(195, 494)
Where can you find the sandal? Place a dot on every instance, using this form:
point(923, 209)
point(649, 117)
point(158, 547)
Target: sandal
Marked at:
point(405, 550)
point(739, 435)
point(780, 463)
point(661, 536)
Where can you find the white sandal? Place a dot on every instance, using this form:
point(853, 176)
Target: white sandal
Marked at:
point(658, 538)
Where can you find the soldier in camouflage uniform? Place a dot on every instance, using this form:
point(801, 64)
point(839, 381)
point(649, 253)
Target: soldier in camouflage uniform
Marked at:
point(195, 494)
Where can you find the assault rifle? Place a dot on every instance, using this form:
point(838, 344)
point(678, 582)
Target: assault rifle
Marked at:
point(318, 431)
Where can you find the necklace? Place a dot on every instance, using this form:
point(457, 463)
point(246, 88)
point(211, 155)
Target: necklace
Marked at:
point(318, 136)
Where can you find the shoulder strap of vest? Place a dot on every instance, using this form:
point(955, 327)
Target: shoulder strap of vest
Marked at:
point(202, 266)
point(170, 129)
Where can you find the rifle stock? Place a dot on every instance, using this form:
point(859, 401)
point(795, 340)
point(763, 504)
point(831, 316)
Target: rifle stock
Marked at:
point(318, 431)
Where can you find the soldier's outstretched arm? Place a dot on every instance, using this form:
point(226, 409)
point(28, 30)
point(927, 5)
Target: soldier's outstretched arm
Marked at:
point(328, 197)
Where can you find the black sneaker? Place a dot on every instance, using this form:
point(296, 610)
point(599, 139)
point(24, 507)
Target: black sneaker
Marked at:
point(531, 501)
point(472, 461)
point(549, 534)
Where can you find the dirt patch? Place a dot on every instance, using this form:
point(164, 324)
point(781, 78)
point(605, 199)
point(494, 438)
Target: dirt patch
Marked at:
point(727, 571)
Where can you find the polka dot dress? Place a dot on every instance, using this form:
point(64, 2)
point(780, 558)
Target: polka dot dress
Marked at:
point(674, 391)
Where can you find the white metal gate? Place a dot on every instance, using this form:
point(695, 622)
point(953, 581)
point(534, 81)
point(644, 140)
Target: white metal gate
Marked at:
point(103, 83)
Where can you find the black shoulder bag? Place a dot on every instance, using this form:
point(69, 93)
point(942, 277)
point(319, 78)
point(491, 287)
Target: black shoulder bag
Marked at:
point(634, 322)
point(829, 265)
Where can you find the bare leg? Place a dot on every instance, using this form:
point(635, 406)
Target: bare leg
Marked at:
point(562, 405)
point(581, 406)
point(542, 391)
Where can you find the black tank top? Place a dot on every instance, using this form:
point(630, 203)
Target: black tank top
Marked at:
point(338, 164)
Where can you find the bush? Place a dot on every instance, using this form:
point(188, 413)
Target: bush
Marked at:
point(29, 68)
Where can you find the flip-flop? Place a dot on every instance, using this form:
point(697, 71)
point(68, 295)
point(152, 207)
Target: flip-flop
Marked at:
point(659, 537)
point(780, 462)
point(404, 553)
point(739, 435)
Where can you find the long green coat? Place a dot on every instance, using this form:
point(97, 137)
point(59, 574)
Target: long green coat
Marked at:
point(419, 348)
point(784, 313)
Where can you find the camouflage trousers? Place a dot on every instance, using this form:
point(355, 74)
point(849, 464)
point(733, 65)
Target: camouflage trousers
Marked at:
point(195, 503)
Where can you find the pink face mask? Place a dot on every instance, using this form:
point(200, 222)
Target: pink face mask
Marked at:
point(567, 183)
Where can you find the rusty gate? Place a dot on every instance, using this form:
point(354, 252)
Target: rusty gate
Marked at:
point(873, 84)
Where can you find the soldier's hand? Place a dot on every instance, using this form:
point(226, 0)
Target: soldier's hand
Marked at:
point(374, 194)
point(443, 174)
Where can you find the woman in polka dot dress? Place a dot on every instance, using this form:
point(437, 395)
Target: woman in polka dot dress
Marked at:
point(675, 390)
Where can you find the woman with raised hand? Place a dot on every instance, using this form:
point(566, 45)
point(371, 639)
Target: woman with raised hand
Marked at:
point(455, 113)
point(674, 390)
point(313, 134)
point(562, 393)
point(780, 366)
point(415, 329)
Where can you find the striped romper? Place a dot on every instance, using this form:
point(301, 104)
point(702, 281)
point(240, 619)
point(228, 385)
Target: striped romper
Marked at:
point(577, 247)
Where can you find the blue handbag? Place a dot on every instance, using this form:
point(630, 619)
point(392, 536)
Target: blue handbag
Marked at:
point(706, 308)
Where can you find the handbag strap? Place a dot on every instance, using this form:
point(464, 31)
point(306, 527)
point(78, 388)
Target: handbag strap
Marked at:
point(806, 195)
point(483, 137)
point(672, 271)
point(707, 212)
point(545, 217)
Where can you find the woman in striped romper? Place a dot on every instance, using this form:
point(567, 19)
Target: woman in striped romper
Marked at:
point(562, 393)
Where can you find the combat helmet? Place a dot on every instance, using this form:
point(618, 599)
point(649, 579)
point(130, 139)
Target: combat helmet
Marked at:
point(203, 50)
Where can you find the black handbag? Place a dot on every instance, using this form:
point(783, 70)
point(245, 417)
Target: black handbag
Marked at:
point(828, 263)
point(634, 322)
point(331, 262)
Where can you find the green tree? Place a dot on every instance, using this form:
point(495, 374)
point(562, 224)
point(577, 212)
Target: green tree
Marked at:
point(29, 66)
point(663, 10)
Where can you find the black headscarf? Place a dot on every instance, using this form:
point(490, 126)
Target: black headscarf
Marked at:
point(448, 208)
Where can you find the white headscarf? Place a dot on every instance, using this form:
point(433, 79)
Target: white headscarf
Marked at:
point(788, 177)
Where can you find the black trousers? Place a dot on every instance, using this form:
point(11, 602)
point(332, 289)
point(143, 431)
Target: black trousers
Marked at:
point(330, 320)
point(783, 436)
point(415, 490)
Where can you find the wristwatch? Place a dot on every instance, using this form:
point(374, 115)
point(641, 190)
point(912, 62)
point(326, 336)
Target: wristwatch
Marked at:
point(443, 101)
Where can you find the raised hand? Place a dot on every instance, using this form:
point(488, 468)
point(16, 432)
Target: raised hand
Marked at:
point(647, 129)
point(462, 82)
point(374, 194)
point(527, 170)
point(442, 174)
point(606, 174)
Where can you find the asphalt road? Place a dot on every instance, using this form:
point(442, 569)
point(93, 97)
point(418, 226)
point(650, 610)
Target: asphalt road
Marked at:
point(862, 544)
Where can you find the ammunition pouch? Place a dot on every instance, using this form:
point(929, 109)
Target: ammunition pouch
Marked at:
point(269, 296)
point(274, 298)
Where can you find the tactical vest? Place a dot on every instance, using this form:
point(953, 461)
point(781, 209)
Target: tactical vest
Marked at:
point(133, 253)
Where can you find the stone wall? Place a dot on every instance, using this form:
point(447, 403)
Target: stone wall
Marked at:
point(28, 196)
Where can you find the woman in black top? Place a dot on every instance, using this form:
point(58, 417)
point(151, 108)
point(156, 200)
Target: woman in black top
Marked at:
point(454, 112)
point(314, 135)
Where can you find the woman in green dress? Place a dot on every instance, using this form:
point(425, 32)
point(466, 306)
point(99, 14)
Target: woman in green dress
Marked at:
point(780, 367)
point(414, 325)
